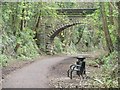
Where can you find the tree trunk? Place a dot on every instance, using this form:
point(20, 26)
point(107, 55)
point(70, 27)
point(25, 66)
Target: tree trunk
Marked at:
point(111, 13)
point(22, 21)
point(118, 4)
point(105, 28)
point(80, 36)
point(113, 19)
point(37, 24)
point(36, 37)
point(16, 47)
point(118, 41)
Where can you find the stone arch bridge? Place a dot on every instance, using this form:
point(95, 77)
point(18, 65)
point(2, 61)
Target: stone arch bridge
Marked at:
point(72, 14)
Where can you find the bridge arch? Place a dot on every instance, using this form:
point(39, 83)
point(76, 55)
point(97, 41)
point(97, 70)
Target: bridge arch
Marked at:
point(54, 33)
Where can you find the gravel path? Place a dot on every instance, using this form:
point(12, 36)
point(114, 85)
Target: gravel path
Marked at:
point(34, 75)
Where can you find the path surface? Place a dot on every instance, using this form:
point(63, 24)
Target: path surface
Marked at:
point(34, 75)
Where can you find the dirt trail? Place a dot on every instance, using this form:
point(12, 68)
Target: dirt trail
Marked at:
point(34, 75)
point(45, 73)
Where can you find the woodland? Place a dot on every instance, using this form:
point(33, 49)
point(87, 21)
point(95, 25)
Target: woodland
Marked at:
point(25, 28)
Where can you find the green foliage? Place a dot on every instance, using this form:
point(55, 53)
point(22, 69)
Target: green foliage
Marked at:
point(3, 60)
point(66, 4)
point(109, 70)
point(27, 44)
point(58, 45)
point(108, 82)
point(71, 49)
point(27, 51)
point(109, 61)
point(12, 16)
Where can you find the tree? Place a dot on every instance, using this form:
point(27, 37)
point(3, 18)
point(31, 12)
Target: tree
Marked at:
point(111, 12)
point(105, 28)
point(118, 39)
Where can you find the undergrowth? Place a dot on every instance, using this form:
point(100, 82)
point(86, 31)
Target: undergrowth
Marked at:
point(109, 70)
point(27, 49)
